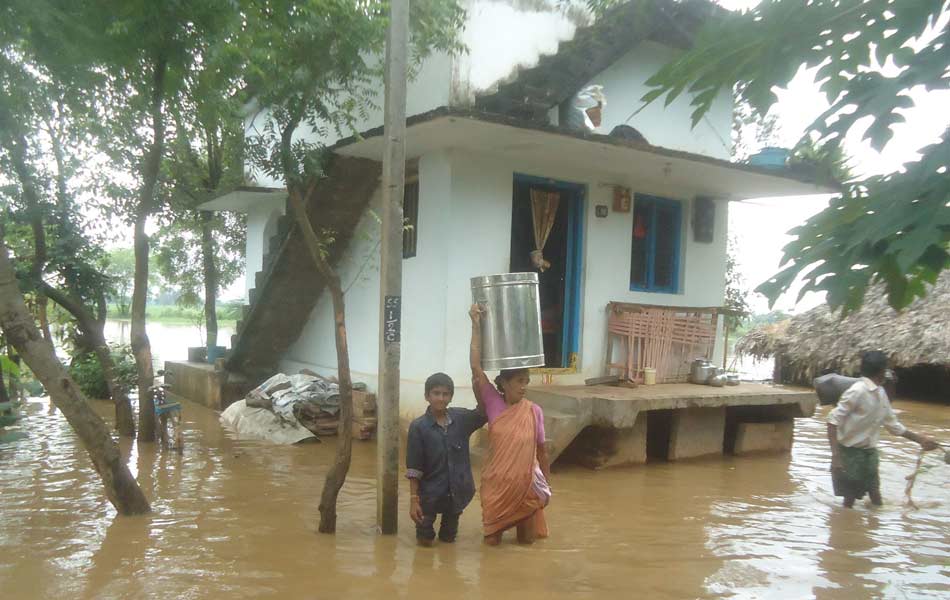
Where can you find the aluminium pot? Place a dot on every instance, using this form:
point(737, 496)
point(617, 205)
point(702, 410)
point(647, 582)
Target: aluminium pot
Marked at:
point(701, 370)
point(511, 321)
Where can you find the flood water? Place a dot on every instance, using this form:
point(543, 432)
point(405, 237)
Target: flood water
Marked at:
point(237, 519)
point(169, 341)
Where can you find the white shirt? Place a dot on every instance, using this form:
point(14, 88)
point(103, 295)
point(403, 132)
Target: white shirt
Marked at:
point(861, 411)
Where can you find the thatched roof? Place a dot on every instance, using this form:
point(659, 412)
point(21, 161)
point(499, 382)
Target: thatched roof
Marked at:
point(817, 340)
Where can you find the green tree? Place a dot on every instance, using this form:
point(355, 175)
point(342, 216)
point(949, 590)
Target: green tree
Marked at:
point(20, 329)
point(42, 125)
point(203, 251)
point(737, 296)
point(893, 228)
point(146, 54)
point(120, 268)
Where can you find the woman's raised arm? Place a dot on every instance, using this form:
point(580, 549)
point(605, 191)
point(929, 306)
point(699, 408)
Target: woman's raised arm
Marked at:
point(475, 353)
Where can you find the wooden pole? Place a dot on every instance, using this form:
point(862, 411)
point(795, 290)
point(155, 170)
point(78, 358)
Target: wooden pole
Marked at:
point(725, 346)
point(390, 272)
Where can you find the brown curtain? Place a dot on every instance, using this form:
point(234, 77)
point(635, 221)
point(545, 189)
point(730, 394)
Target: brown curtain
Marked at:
point(543, 212)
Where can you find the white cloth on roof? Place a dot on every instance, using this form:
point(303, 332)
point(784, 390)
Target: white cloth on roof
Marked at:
point(861, 412)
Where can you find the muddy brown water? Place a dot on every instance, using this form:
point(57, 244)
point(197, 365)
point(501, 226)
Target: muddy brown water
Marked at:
point(237, 519)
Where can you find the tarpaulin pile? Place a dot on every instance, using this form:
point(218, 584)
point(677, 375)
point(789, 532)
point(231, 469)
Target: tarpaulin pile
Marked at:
point(287, 409)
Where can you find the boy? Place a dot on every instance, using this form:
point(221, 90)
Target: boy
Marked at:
point(438, 465)
point(853, 430)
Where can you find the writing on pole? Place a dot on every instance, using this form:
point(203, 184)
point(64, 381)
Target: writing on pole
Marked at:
point(392, 309)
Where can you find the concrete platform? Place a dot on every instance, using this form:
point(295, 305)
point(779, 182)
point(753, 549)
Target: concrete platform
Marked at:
point(667, 421)
point(205, 383)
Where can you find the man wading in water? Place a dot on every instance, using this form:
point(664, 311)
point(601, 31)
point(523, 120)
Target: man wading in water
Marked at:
point(853, 430)
point(439, 468)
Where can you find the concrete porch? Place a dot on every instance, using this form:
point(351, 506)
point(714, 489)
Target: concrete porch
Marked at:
point(602, 426)
point(206, 384)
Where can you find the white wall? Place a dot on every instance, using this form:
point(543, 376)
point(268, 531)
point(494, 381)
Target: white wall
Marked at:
point(481, 218)
point(424, 335)
point(503, 35)
point(261, 225)
point(464, 231)
point(671, 127)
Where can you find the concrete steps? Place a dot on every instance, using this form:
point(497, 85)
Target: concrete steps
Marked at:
point(289, 286)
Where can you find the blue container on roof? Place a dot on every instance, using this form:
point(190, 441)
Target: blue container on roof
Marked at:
point(770, 156)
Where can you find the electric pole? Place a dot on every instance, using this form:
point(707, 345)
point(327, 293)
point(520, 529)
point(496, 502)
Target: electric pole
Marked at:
point(390, 271)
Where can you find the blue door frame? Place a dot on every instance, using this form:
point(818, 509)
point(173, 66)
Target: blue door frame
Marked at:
point(573, 276)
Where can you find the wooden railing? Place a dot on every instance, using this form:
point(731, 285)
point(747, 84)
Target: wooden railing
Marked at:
point(665, 338)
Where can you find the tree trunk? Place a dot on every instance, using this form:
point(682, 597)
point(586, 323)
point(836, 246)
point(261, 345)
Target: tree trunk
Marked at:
point(210, 278)
point(121, 488)
point(4, 397)
point(14, 390)
point(92, 329)
point(725, 345)
point(341, 464)
point(139, 338)
point(42, 315)
point(16, 144)
point(141, 347)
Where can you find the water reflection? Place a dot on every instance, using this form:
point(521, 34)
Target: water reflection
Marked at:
point(237, 518)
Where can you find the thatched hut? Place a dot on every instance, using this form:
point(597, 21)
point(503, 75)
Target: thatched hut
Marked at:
point(819, 341)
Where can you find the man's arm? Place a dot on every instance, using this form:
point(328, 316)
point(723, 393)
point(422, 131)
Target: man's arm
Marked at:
point(927, 443)
point(415, 465)
point(415, 504)
point(835, 418)
point(833, 442)
point(893, 425)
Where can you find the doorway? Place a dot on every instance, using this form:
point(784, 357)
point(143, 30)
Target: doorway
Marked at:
point(559, 284)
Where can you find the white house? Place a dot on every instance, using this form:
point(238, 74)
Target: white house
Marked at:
point(483, 133)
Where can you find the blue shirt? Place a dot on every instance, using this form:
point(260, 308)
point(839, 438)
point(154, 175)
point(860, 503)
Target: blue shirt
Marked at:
point(438, 457)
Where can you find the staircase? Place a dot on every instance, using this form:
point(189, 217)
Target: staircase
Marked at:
point(288, 285)
point(534, 90)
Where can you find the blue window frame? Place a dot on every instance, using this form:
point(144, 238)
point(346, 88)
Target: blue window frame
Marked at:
point(655, 244)
point(560, 284)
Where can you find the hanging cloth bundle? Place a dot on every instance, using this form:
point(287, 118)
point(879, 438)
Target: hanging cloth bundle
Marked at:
point(543, 212)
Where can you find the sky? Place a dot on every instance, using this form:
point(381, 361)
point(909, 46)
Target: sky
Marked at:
point(760, 225)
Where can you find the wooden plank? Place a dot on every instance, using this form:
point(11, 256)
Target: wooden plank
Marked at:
point(605, 380)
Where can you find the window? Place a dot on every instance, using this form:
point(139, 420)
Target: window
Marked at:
point(655, 251)
point(410, 219)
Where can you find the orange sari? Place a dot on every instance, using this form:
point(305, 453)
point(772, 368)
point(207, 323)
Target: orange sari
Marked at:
point(507, 491)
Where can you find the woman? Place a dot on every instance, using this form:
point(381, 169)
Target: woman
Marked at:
point(514, 488)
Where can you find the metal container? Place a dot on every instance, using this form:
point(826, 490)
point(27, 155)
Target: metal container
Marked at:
point(701, 371)
point(718, 380)
point(732, 379)
point(511, 321)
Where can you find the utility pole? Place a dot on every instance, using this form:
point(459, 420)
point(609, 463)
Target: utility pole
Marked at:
point(390, 271)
